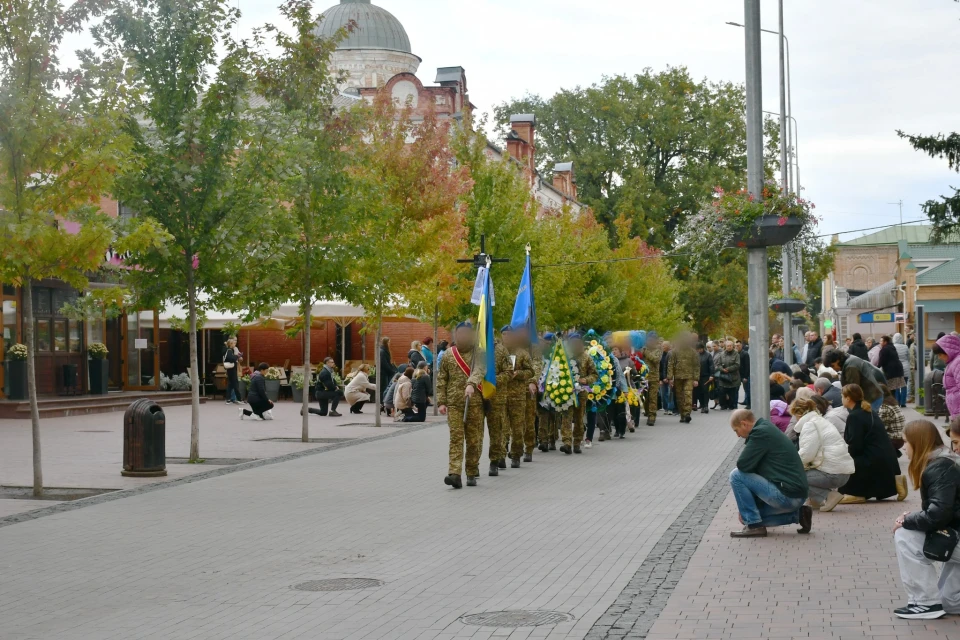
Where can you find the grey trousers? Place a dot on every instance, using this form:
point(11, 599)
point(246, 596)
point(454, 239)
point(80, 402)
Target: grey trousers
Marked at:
point(821, 483)
point(919, 576)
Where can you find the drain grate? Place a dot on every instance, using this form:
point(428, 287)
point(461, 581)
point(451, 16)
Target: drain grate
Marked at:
point(338, 584)
point(212, 461)
point(313, 440)
point(94, 431)
point(517, 618)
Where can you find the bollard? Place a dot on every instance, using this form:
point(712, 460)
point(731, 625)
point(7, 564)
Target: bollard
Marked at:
point(144, 440)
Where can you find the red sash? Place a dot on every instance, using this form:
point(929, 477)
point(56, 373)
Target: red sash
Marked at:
point(460, 362)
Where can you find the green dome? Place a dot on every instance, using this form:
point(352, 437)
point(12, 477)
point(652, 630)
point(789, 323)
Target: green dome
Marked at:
point(376, 28)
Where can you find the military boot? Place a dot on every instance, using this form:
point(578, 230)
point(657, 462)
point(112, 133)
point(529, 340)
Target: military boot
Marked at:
point(651, 422)
point(544, 447)
point(471, 481)
point(502, 463)
point(553, 446)
point(576, 449)
point(565, 449)
point(494, 469)
point(528, 457)
point(454, 481)
point(514, 463)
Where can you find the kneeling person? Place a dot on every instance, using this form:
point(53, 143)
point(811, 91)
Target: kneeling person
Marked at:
point(769, 483)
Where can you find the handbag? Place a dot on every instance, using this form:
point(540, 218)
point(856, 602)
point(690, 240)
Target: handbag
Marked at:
point(227, 365)
point(939, 545)
point(725, 377)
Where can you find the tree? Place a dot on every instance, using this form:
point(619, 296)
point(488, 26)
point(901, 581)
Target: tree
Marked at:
point(183, 172)
point(59, 148)
point(411, 194)
point(310, 232)
point(943, 213)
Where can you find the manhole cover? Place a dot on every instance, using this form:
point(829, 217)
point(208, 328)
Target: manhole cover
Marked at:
point(516, 618)
point(338, 584)
point(94, 431)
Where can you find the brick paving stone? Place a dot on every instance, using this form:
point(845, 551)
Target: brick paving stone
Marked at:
point(217, 557)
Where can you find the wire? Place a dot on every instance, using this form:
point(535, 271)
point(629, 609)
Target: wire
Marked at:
point(883, 226)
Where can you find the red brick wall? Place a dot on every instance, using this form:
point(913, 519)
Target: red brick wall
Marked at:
point(274, 347)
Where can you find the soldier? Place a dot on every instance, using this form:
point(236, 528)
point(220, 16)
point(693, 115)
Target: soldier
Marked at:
point(547, 432)
point(496, 411)
point(530, 425)
point(587, 377)
point(517, 389)
point(458, 380)
point(652, 353)
point(683, 373)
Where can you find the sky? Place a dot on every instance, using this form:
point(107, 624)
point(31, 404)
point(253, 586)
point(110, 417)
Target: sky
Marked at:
point(861, 69)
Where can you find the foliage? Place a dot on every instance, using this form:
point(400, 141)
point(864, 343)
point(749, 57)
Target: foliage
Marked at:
point(95, 305)
point(296, 380)
point(17, 352)
point(647, 147)
point(97, 350)
point(943, 213)
point(179, 382)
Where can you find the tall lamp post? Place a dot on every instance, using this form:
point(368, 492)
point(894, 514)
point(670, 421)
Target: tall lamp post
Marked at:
point(756, 257)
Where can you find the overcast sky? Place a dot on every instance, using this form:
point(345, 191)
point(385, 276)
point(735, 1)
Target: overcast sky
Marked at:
point(861, 70)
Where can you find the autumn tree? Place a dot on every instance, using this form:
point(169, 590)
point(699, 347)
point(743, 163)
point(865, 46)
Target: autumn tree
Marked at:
point(183, 171)
point(60, 145)
point(411, 196)
point(311, 231)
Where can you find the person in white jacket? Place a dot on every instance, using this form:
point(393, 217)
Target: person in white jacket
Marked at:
point(358, 390)
point(824, 454)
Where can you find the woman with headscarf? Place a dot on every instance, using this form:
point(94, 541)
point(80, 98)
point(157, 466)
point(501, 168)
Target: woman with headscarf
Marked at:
point(946, 351)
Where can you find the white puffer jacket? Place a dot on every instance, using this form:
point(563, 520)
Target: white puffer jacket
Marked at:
point(821, 445)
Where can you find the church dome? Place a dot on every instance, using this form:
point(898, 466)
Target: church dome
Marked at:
point(376, 28)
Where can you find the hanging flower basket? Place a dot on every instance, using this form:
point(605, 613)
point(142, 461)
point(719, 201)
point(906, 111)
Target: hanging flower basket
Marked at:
point(767, 231)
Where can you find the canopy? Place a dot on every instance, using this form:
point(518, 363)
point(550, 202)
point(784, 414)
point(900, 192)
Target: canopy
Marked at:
point(342, 313)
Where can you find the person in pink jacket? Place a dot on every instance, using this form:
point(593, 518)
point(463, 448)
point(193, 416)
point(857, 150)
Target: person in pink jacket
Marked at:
point(947, 349)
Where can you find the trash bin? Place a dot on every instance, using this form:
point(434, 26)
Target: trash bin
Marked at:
point(144, 444)
point(69, 377)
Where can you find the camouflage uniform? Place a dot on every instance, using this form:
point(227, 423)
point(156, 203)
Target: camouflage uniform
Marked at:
point(496, 408)
point(684, 370)
point(651, 357)
point(588, 371)
point(517, 392)
point(451, 383)
point(530, 427)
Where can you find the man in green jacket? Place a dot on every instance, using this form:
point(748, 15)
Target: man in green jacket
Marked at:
point(769, 483)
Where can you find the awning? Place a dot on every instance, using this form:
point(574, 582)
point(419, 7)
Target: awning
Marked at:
point(882, 297)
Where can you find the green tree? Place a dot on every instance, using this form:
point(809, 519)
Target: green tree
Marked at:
point(183, 172)
point(311, 230)
point(945, 212)
point(59, 148)
point(411, 194)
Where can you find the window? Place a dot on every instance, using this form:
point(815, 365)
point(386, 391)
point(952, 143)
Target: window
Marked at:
point(60, 335)
point(124, 212)
point(73, 334)
point(43, 336)
point(42, 305)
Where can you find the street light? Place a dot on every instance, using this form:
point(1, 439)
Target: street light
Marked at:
point(795, 149)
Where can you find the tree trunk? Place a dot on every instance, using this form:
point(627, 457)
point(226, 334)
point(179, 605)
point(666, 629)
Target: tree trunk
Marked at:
point(27, 292)
point(379, 373)
point(306, 308)
point(194, 366)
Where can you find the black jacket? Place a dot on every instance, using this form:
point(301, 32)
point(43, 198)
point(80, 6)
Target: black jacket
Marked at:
point(779, 366)
point(940, 497)
point(814, 349)
point(745, 364)
point(230, 355)
point(859, 349)
point(325, 382)
point(257, 391)
point(422, 389)
point(387, 369)
point(415, 357)
point(664, 364)
point(890, 362)
point(706, 366)
point(834, 396)
point(873, 455)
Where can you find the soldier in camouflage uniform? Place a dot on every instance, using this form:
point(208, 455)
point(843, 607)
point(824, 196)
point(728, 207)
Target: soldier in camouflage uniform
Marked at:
point(548, 430)
point(456, 383)
point(517, 389)
point(587, 377)
point(530, 426)
point(683, 371)
point(496, 411)
point(652, 353)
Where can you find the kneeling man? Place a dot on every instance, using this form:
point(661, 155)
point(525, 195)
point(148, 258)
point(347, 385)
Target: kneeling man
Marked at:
point(769, 483)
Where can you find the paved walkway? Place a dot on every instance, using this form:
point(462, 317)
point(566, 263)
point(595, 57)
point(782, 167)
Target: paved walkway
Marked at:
point(841, 581)
point(217, 558)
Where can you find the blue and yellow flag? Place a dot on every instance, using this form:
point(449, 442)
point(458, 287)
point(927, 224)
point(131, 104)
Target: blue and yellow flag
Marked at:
point(485, 335)
point(524, 310)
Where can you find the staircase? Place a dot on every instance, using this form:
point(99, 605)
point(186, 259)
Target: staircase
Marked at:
point(61, 407)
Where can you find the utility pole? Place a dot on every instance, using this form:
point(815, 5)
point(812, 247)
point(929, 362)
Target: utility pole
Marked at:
point(786, 262)
point(756, 258)
point(900, 204)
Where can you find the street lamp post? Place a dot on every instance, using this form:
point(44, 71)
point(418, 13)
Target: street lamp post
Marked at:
point(756, 258)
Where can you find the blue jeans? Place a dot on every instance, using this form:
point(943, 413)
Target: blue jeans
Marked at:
point(875, 405)
point(746, 393)
point(901, 396)
point(666, 398)
point(761, 503)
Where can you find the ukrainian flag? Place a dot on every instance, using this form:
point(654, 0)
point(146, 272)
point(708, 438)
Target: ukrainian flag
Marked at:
point(485, 336)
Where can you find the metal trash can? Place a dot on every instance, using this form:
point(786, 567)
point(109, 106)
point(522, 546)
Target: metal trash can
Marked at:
point(144, 440)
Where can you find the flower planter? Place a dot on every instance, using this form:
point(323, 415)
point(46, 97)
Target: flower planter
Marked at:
point(768, 231)
point(297, 395)
point(16, 379)
point(242, 385)
point(99, 376)
point(273, 390)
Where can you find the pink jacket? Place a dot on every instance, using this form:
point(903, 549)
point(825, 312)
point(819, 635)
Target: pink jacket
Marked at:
point(951, 377)
point(780, 414)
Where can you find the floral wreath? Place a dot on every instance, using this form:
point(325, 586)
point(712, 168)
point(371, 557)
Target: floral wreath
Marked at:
point(557, 380)
point(602, 393)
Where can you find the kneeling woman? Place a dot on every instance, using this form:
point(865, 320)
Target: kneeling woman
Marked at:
point(933, 470)
point(824, 455)
point(877, 472)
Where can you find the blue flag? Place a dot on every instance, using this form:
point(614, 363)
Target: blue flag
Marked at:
point(525, 310)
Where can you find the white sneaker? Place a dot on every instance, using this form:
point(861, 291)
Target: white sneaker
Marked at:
point(587, 444)
point(268, 415)
point(241, 414)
